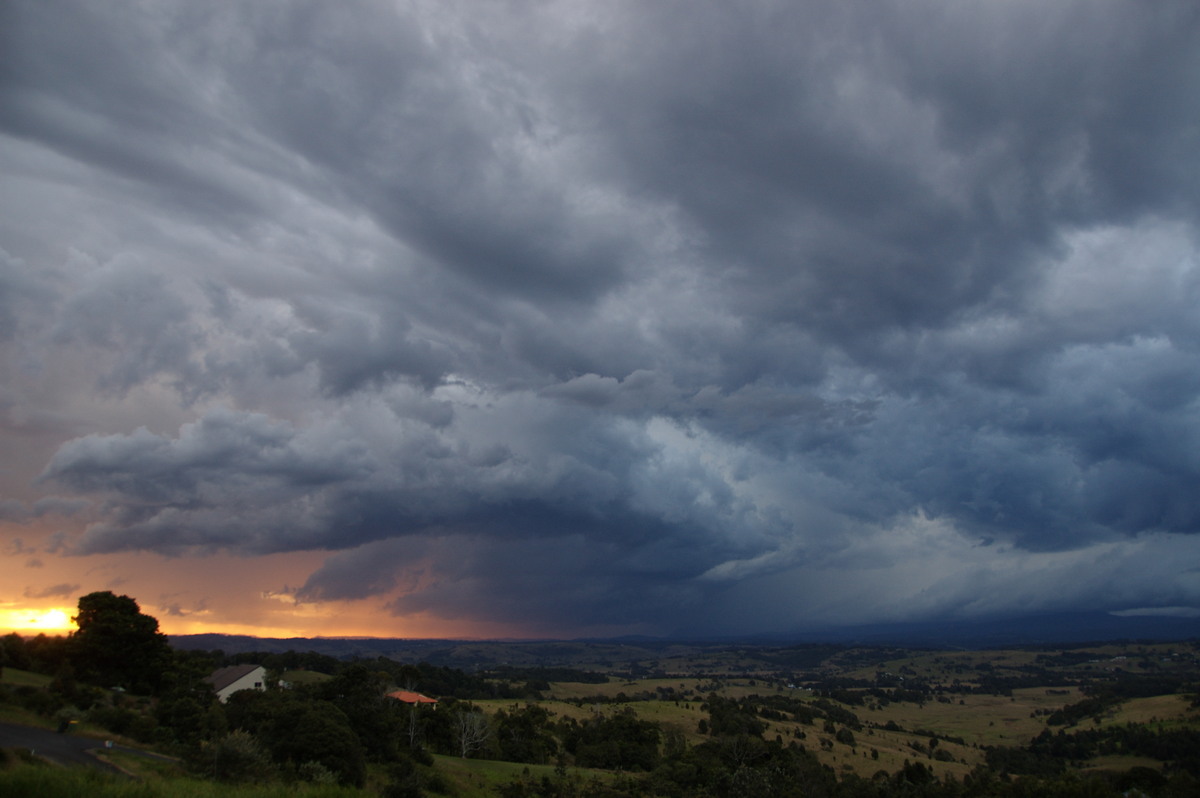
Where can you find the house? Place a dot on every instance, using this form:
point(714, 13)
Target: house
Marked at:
point(415, 699)
point(227, 681)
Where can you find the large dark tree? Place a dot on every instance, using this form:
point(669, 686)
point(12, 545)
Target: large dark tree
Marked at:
point(118, 645)
point(360, 692)
point(296, 729)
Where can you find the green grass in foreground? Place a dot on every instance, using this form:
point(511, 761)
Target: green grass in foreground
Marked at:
point(13, 714)
point(478, 778)
point(41, 781)
point(145, 767)
point(474, 778)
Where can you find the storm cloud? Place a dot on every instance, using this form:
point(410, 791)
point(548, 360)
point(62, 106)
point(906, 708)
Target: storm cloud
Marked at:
point(614, 316)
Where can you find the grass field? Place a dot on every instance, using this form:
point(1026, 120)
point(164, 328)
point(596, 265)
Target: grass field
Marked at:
point(44, 781)
point(979, 720)
point(300, 677)
point(12, 714)
point(16, 678)
point(143, 767)
point(478, 778)
point(1163, 711)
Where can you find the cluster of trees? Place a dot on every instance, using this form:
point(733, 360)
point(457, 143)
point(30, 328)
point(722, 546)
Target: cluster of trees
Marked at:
point(118, 671)
point(1104, 696)
point(744, 766)
point(41, 654)
point(1054, 753)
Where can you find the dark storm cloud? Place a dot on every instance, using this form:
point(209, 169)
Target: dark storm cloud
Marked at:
point(19, 289)
point(655, 309)
point(19, 512)
point(369, 350)
point(130, 312)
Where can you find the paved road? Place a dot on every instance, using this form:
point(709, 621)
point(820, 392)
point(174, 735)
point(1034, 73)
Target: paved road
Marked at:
point(65, 749)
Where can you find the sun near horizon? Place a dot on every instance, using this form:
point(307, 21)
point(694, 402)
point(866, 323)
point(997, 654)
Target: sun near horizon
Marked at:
point(55, 620)
point(279, 620)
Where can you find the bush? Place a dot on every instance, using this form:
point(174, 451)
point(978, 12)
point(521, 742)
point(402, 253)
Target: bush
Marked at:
point(39, 701)
point(117, 720)
point(619, 742)
point(316, 773)
point(236, 757)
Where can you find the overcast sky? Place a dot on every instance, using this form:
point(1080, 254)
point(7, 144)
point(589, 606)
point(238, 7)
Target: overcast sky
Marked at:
point(558, 318)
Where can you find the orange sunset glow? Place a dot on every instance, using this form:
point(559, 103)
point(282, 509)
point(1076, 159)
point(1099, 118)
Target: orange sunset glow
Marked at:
point(333, 620)
point(217, 594)
point(24, 620)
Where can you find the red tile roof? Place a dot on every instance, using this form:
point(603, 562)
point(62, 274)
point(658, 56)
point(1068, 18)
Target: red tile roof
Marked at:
point(409, 697)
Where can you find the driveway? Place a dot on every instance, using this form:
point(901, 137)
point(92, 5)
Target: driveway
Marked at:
point(63, 749)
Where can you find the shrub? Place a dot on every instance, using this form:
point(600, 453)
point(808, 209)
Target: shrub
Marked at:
point(236, 757)
point(117, 720)
point(316, 773)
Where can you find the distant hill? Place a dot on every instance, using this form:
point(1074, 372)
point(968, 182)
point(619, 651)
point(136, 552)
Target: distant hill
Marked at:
point(1064, 629)
point(1058, 629)
point(341, 647)
point(469, 655)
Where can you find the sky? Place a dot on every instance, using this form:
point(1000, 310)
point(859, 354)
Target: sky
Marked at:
point(563, 319)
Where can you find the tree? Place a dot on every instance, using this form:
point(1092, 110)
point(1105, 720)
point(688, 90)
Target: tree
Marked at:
point(620, 741)
point(471, 730)
point(524, 735)
point(15, 653)
point(295, 728)
point(318, 732)
point(236, 757)
point(412, 726)
point(118, 645)
point(46, 654)
point(360, 692)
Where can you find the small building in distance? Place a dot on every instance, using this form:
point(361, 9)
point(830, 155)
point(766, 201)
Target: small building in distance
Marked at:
point(415, 699)
point(227, 681)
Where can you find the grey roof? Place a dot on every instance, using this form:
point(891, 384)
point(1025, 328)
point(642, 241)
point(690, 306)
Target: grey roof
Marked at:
point(223, 677)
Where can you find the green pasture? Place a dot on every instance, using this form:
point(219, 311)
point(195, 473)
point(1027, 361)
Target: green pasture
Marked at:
point(303, 677)
point(894, 750)
point(979, 719)
point(479, 778)
point(15, 714)
point(893, 747)
point(46, 781)
point(1161, 711)
point(946, 666)
point(144, 767)
point(17, 678)
point(1120, 764)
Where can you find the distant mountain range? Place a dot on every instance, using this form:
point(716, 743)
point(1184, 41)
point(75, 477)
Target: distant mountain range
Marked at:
point(1060, 629)
point(1057, 630)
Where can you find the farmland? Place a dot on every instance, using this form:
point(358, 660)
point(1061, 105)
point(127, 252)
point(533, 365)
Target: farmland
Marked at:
point(670, 719)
